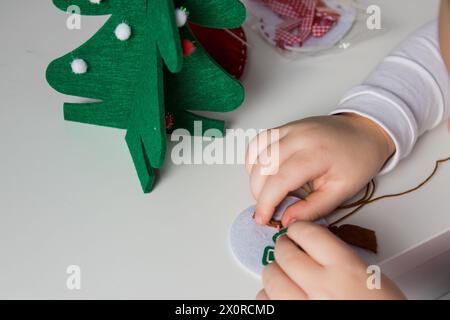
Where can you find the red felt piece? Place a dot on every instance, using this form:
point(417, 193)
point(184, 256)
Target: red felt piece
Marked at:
point(227, 47)
point(169, 121)
point(188, 47)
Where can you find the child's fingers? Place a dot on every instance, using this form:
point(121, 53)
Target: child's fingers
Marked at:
point(275, 155)
point(278, 286)
point(320, 244)
point(262, 295)
point(316, 205)
point(297, 265)
point(293, 174)
point(260, 143)
point(259, 174)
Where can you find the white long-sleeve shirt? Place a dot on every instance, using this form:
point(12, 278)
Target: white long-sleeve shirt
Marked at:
point(407, 95)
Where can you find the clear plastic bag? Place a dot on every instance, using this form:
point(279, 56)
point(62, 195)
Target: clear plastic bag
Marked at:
point(357, 21)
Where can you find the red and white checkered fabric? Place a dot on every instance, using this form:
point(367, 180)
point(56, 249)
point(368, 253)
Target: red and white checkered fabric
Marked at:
point(322, 26)
point(303, 18)
point(294, 9)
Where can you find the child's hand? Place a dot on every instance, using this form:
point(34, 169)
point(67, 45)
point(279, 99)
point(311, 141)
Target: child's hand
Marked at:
point(326, 269)
point(338, 154)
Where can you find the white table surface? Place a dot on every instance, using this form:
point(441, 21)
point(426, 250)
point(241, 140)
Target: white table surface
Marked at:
point(69, 194)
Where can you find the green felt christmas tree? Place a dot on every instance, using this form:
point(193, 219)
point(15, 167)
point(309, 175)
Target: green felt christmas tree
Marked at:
point(135, 72)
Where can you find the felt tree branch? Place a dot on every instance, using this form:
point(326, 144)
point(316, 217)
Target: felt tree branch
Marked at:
point(222, 14)
point(139, 75)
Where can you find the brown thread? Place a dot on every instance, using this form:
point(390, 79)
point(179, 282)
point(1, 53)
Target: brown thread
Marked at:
point(370, 191)
point(366, 201)
point(367, 197)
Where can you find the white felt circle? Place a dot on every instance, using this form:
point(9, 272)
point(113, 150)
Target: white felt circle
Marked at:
point(248, 239)
point(181, 17)
point(123, 31)
point(79, 66)
point(269, 21)
point(95, 1)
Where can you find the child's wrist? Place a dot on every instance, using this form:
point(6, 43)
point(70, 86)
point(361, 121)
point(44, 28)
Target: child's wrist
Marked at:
point(384, 141)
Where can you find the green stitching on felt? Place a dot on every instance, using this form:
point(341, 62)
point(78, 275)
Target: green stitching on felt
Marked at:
point(127, 80)
point(269, 251)
point(280, 233)
point(268, 256)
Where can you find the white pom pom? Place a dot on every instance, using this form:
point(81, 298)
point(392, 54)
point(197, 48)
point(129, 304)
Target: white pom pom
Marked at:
point(181, 16)
point(95, 1)
point(123, 31)
point(79, 66)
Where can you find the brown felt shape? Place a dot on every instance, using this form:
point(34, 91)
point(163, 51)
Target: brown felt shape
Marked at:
point(356, 236)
